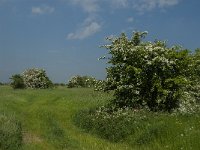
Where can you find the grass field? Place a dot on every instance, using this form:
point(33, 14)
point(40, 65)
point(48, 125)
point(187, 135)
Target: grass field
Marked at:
point(46, 118)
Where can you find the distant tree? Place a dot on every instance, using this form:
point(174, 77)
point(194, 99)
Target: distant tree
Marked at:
point(17, 81)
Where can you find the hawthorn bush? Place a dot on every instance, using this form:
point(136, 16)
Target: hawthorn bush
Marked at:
point(81, 81)
point(36, 79)
point(150, 74)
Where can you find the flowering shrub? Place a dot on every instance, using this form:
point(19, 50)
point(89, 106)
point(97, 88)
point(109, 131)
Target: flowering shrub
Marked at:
point(148, 74)
point(195, 86)
point(188, 104)
point(81, 81)
point(36, 79)
point(108, 123)
point(99, 85)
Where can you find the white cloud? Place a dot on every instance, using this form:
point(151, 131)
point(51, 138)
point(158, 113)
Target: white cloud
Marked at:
point(88, 28)
point(89, 6)
point(163, 3)
point(130, 19)
point(92, 6)
point(42, 10)
point(119, 3)
point(148, 5)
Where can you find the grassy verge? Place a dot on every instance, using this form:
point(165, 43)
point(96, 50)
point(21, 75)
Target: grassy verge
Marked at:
point(142, 129)
point(46, 118)
point(61, 118)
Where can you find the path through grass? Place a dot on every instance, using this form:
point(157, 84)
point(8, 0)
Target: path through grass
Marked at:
point(46, 117)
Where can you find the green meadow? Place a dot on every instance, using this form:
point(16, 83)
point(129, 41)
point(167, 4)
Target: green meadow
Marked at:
point(44, 120)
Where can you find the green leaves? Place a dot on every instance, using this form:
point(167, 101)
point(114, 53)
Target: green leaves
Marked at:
point(81, 81)
point(150, 72)
point(17, 82)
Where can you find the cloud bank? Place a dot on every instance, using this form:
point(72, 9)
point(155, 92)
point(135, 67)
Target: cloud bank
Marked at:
point(93, 7)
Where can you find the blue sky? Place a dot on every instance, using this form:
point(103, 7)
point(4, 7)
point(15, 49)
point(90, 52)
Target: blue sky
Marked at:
point(63, 36)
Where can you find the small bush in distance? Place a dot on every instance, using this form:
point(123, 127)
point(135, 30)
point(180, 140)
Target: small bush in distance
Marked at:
point(81, 81)
point(36, 79)
point(17, 82)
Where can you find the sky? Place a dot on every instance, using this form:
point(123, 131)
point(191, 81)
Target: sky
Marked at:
point(64, 36)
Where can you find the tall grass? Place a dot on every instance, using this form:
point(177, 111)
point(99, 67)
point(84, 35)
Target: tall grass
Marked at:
point(10, 132)
point(61, 118)
point(46, 117)
point(142, 129)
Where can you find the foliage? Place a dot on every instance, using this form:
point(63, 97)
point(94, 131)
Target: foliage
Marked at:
point(148, 74)
point(100, 85)
point(59, 84)
point(17, 82)
point(196, 80)
point(81, 81)
point(10, 133)
point(142, 129)
point(36, 79)
point(46, 116)
point(106, 122)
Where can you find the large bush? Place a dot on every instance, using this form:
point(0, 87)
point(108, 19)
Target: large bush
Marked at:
point(149, 74)
point(36, 78)
point(17, 81)
point(196, 66)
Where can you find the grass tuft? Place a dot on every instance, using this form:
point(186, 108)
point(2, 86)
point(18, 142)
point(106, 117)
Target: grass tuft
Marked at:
point(10, 132)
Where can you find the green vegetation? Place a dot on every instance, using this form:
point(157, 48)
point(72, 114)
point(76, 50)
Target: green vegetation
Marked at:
point(46, 117)
point(50, 119)
point(10, 133)
point(151, 74)
point(17, 82)
point(143, 129)
point(36, 79)
point(81, 81)
point(153, 103)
